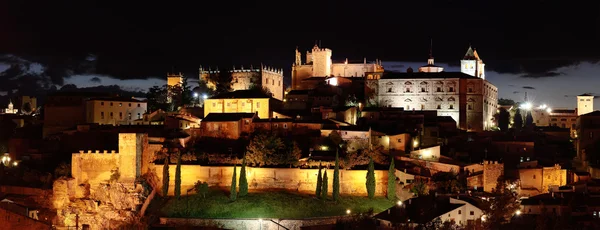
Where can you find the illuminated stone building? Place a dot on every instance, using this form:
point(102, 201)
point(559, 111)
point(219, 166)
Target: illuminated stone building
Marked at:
point(244, 78)
point(468, 98)
point(319, 65)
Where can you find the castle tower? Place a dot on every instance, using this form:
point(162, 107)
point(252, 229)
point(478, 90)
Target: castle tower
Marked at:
point(172, 81)
point(472, 65)
point(298, 57)
point(321, 61)
point(585, 104)
point(131, 147)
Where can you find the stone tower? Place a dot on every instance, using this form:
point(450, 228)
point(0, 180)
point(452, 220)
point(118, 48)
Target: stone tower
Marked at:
point(321, 61)
point(298, 58)
point(172, 81)
point(585, 104)
point(472, 65)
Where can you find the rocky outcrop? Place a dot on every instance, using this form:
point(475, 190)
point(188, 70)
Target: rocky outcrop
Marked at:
point(104, 206)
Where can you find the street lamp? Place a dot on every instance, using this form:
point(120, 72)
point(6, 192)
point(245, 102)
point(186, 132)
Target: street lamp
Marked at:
point(6, 159)
point(204, 96)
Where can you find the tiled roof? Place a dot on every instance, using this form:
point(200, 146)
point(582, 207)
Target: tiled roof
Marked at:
point(425, 75)
point(227, 116)
point(418, 210)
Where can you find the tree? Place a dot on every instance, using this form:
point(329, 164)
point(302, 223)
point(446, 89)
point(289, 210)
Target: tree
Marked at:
point(446, 182)
point(518, 120)
point(502, 207)
point(528, 120)
point(63, 170)
point(186, 96)
point(165, 179)
point(505, 101)
point(419, 188)
point(319, 183)
point(324, 186)
point(178, 177)
point(336, 178)
point(371, 179)
point(243, 180)
point(391, 186)
point(503, 119)
point(201, 188)
point(269, 149)
point(233, 190)
point(223, 81)
point(157, 98)
point(26, 108)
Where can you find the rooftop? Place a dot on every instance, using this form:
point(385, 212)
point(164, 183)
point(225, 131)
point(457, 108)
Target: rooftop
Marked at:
point(242, 94)
point(426, 75)
point(418, 210)
point(227, 116)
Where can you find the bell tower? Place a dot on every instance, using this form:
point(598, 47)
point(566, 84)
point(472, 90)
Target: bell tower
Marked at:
point(585, 104)
point(472, 65)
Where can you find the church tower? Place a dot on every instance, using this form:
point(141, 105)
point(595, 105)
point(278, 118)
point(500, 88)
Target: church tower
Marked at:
point(321, 61)
point(585, 104)
point(298, 58)
point(472, 65)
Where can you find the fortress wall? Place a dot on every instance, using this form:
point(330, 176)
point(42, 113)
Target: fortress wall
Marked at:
point(302, 180)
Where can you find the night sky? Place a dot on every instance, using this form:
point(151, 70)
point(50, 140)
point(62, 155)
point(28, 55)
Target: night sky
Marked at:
point(547, 48)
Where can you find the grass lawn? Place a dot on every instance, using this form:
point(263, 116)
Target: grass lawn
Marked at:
point(266, 204)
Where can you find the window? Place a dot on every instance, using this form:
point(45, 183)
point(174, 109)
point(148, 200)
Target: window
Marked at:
point(129, 104)
point(459, 212)
point(423, 90)
point(139, 116)
point(451, 89)
point(129, 116)
point(470, 107)
point(399, 140)
point(120, 115)
point(451, 107)
point(407, 107)
point(439, 89)
point(422, 107)
point(580, 99)
point(101, 115)
point(228, 104)
point(285, 126)
point(587, 99)
point(214, 104)
point(257, 104)
point(471, 213)
point(439, 106)
point(390, 90)
point(138, 105)
point(408, 90)
point(111, 115)
point(275, 125)
point(470, 90)
point(534, 177)
point(120, 104)
point(101, 103)
point(111, 104)
point(243, 104)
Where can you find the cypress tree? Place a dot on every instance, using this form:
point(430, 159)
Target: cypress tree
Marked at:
point(336, 178)
point(178, 177)
point(243, 180)
point(319, 182)
point(371, 179)
point(233, 191)
point(165, 186)
point(391, 189)
point(324, 189)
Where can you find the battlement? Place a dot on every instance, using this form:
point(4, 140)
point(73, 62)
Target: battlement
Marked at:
point(491, 163)
point(318, 49)
point(98, 152)
point(243, 70)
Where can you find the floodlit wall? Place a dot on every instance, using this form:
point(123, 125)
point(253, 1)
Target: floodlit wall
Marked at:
point(295, 179)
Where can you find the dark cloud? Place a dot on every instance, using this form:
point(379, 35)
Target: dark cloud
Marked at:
point(542, 75)
point(516, 92)
point(528, 87)
point(95, 80)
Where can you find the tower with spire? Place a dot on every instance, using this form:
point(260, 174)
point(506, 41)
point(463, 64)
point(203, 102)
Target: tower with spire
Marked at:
point(431, 67)
point(472, 65)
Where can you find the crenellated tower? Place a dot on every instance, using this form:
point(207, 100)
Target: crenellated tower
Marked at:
point(321, 61)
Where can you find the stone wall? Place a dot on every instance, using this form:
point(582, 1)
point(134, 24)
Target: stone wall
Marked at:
point(475, 181)
point(491, 171)
point(541, 179)
point(294, 179)
point(11, 220)
point(264, 224)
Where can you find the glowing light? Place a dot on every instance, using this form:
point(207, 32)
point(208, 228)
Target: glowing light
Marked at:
point(195, 94)
point(348, 211)
point(204, 96)
point(518, 212)
point(6, 159)
point(15, 164)
point(548, 110)
point(324, 147)
point(415, 143)
point(483, 218)
point(526, 106)
point(399, 203)
point(333, 81)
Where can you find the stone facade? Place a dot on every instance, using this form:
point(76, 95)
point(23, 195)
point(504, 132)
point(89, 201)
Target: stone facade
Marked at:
point(470, 101)
point(243, 79)
point(115, 111)
point(491, 171)
point(260, 106)
point(541, 179)
point(319, 64)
